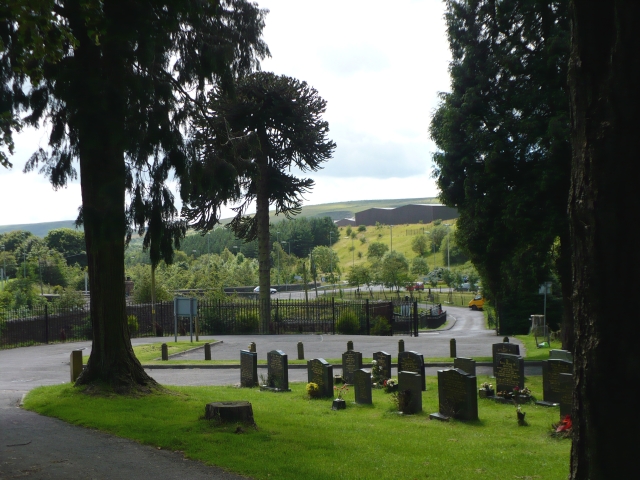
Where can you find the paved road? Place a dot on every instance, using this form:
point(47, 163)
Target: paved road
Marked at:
point(38, 447)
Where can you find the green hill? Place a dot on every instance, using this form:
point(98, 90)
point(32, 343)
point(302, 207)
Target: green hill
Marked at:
point(39, 229)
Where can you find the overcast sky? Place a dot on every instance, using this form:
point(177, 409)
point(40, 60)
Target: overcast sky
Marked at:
point(379, 65)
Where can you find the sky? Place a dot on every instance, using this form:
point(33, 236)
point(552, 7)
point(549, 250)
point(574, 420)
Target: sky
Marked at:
point(380, 66)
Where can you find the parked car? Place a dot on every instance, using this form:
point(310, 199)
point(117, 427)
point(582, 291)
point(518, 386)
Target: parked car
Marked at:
point(464, 287)
point(411, 287)
point(477, 303)
point(271, 290)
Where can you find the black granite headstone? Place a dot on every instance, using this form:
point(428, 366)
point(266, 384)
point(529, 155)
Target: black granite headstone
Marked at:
point(504, 347)
point(362, 386)
point(468, 365)
point(412, 362)
point(557, 354)
point(509, 372)
point(384, 362)
point(410, 383)
point(351, 361)
point(400, 345)
point(320, 372)
point(551, 370)
point(566, 393)
point(457, 395)
point(278, 370)
point(248, 368)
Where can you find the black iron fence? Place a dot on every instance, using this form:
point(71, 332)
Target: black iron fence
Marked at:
point(52, 324)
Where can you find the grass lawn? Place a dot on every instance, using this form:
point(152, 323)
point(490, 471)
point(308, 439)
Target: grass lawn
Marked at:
point(532, 351)
point(300, 438)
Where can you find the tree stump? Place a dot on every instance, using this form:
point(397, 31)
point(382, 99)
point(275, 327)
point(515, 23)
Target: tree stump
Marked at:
point(230, 412)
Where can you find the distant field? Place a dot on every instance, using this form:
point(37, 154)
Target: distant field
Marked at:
point(39, 229)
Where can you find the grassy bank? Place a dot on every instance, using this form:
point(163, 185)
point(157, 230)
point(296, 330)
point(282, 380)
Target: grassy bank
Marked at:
point(300, 438)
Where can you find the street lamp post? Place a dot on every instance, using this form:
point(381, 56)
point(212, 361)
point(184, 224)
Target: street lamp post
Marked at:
point(4, 267)
point(278, 239)
point(448, 257)
point(286, 284)
point(330, 256)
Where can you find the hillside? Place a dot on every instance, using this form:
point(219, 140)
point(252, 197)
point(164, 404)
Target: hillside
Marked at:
point(336, 211)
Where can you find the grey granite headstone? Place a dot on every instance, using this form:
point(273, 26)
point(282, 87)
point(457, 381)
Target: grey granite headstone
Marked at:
point(278, 370)
point(566, 393)
point(362, 386)
point(248, 368)
point(551, 370)
point(320, 372)
point(351, 361)
point(456, 395)
point(558, 354)
point(504, 347)
point(468, 365)
point(411, 382)
point(509, 372)
point(412, 362)
point(384, 362)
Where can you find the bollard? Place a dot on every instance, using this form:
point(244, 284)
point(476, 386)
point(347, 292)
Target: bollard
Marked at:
point(252, 347)
point(75, 363)
point(300, 351)
point(207, 351)
point(505, 339)
point(349, 345)
point(400, 346)
point(165, 352)
point(452, 348)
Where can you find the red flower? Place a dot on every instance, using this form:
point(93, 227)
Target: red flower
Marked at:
point(565, 424)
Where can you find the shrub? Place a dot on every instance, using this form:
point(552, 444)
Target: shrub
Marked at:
point(348, 323)
point(362, 228)
point(247, 322)
point(132, 322)
point(381, 326)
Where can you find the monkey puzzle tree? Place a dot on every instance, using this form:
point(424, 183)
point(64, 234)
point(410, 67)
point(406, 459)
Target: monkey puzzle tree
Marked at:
point(270, 124)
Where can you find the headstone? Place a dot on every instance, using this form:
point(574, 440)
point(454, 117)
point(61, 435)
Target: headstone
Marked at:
point(504, 347)
point(207, 351)
point(558, 354)
point(300, 351)
point(551, 370)
point(467, 365)
point(566, 394)
point(75, 364)
point(165, 351)
point(452, 348)
point(456, 395)
point(252, 347)
point(411, 382)
point(248, 368)
point(362, 386)
point(350, 345)
point(400, 346)
point(320, 372)
point(278, 370)
point(509, 372)
point(384, 362)
point(412, 362)
point(351, 361)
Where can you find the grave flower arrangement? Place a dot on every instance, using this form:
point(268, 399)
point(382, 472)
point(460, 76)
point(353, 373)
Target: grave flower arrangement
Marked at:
point(486, 390)
point(376, 374)
point(340, 391)
point(518, 395)
point(390, 385)
point(562, 429)
point(313, 390)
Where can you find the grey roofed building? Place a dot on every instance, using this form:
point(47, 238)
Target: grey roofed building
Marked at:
point(425, 213)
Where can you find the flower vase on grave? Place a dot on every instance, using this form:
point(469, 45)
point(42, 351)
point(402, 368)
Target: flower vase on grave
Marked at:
point(338, 404)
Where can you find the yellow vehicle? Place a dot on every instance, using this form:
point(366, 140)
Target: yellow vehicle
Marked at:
point(477, 303)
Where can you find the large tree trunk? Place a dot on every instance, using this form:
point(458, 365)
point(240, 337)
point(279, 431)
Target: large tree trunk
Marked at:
point(102, 179)
point(604, 204)
point(563, 266)
point(264, 261)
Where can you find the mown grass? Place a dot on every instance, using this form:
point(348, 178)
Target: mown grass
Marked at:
point(300, 438)
point(532, 352)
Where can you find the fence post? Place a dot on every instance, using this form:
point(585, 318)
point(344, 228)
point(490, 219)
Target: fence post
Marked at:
point(366, 309)
point(415, 319)
point(46, 323)
point(333, 316)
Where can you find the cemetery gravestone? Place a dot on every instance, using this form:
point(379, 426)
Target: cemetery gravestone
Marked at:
point(384, 362)
point(75, 362)
point(350, 345)
point(278, 370)
point(362, 386)
point(566, 394)
point(410, 383)
point(207, 351)
point(300, 351)
point(400, 346)
point(165, 351)
point(558, 354)
point(509, 372)
point(452, 348)
point(248, 368)
point(320, 372)
point(351, 361)
point(468, 365)
point(456, 395)
point(252, 347)
point(551, 370)
point(504, 347)
point(412, 362)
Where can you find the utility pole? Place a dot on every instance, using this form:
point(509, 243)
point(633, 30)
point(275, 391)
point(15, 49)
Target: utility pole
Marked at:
point(278, 239)
point(391, 227)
